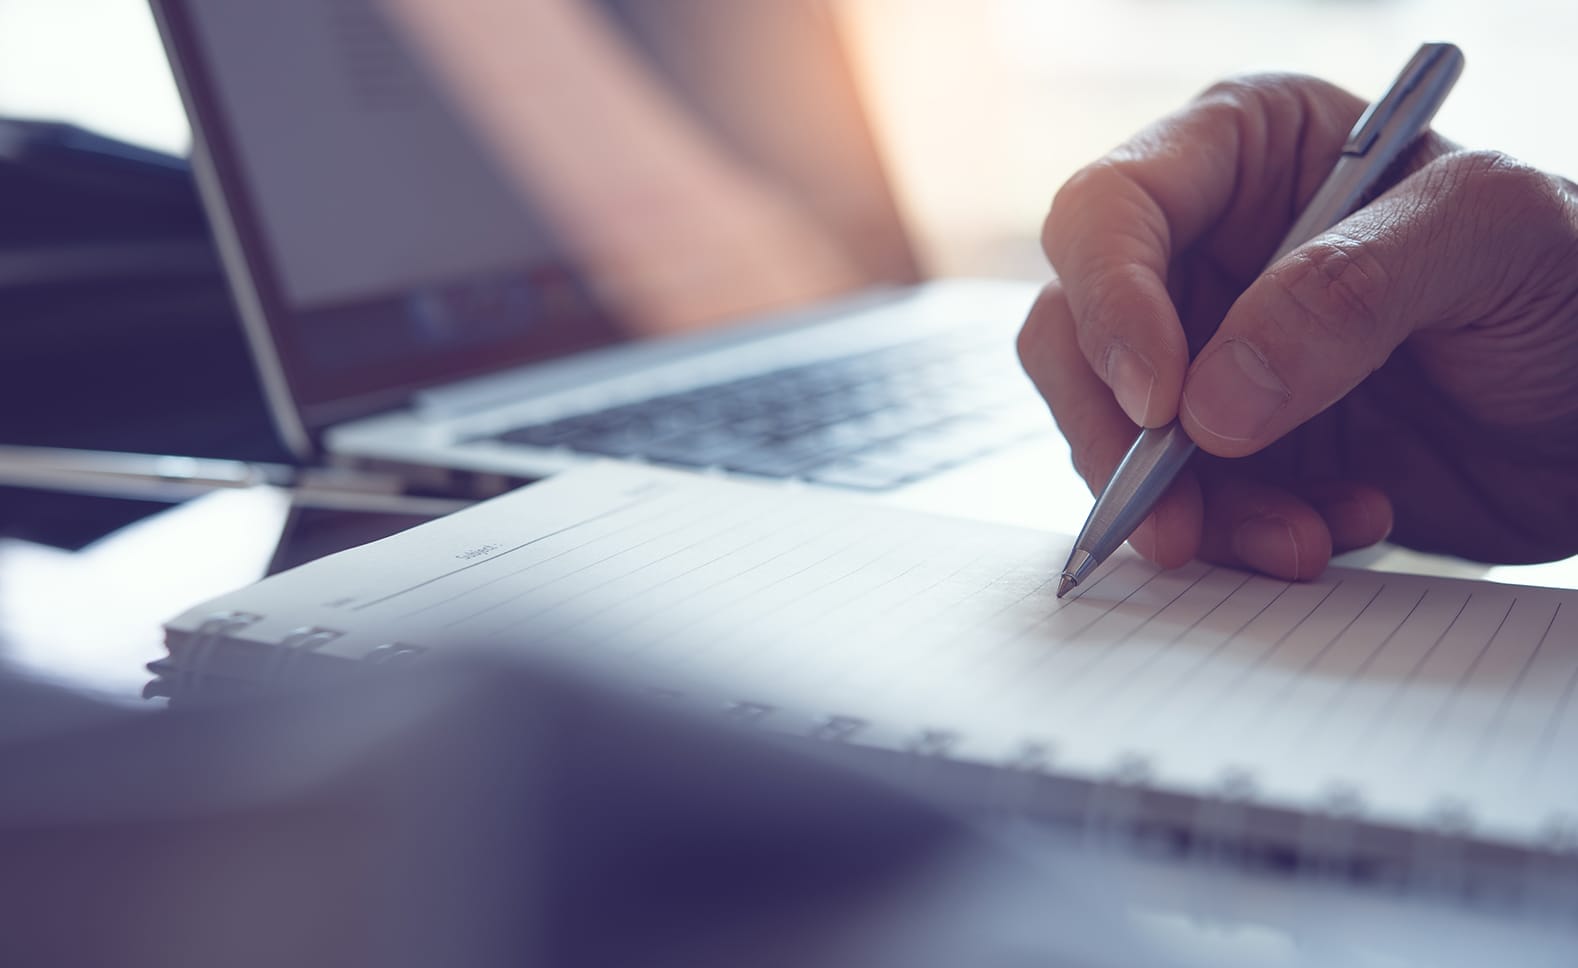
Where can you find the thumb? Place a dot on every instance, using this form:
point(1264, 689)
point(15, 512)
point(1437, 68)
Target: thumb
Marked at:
point(1448, 246)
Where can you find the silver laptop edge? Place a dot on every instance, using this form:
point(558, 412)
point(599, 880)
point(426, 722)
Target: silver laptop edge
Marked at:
point(428, 432)
point(441, 437)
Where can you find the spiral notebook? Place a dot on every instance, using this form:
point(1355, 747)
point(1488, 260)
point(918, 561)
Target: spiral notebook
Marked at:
point(1389, 728)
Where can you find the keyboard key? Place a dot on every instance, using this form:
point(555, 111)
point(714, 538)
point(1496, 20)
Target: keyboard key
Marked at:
point(612, 444)
point(558, 432)
point(858, 475)
point(704, 448)
point(773, 462)
point(872, 421)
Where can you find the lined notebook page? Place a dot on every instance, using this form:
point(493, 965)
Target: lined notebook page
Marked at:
point(1418, 694)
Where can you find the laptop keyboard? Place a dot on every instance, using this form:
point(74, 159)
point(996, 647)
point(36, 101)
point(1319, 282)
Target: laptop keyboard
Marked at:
point(871, 421)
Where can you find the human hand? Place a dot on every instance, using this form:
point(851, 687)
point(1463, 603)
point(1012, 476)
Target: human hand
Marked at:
point(1413, 371)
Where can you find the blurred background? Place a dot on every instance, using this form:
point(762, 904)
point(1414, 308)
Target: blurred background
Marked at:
point(982, 107)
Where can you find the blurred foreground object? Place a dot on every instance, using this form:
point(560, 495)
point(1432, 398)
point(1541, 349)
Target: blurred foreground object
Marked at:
point(116, 329)
point(487, 815)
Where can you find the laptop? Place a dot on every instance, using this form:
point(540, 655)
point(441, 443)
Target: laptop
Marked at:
point(479, 250)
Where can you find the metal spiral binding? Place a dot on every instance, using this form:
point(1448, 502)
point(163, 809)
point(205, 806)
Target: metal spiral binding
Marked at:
point(1032, 756)
point(838, 729)
point(1438, 866)
point(745, 711)
point(393, 654)
point(933, 743)
point(1327, 834)
point(285, 663)
point(927, 761)
point(1550, 877)
point(1217, 830)
point(209, 634)
point(1114, 812)
point(1015, 783)
point(1125, 811)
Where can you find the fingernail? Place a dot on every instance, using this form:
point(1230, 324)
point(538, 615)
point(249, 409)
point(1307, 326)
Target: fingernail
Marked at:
point(1132, 379)
point(1234, 393)
point(1267, 543)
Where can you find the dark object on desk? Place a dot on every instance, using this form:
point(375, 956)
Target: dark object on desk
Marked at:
point(117, 330)
point(312, 533)
point(491, 814)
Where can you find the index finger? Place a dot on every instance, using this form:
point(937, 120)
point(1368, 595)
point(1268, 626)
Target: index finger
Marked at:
point(1114, 228)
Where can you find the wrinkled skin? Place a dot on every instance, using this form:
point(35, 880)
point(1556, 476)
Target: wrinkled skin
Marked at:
point(1412, 372)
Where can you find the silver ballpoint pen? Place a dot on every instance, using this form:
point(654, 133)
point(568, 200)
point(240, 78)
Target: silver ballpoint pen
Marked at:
point(1378, 139)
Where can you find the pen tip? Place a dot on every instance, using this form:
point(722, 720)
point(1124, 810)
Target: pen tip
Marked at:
point(1064, 585)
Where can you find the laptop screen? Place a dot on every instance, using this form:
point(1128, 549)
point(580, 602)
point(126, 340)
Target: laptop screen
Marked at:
point(422, 190)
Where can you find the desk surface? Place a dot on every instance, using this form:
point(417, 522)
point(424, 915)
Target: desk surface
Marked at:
point(91, 618)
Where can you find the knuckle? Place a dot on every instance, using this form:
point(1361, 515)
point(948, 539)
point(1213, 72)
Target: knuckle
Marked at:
point(1032, 334)
point(1098, 179)
point(1092, 179)
point(1102, 320)
point(1529, 212)
point(1493, 182)
point(1108, 210)
point(1242, 90)
point(1336, 286)
point(1265, 93)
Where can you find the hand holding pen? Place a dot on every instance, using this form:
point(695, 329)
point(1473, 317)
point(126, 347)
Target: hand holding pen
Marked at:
point(1413, 369)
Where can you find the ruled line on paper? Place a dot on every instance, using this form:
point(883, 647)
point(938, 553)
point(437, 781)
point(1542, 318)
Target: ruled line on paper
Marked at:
point(1271, 647)
point(979, 672)
point(691, 515)
point(665, 580)
point(1488, 738)
point(1024, 688)
point(1274, 705)
point(937, 650)
point(941, 642)
point(664, 612)
point(895, 631)
point(787, 581)
point(1076, 633)
point(1413, 686)
point(450, 600)
point(493, 558)
point(621, 549)
point(1247, 718)
point(798, 650)
point(1356, 735)
point(1388, 706)
point(1426, 734)
point(1117, 694)
point(1205, 659)
point(1560, 714)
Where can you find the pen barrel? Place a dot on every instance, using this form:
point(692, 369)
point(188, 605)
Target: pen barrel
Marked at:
point(1378, 141)
point(1153, 460)
point(1350, 184)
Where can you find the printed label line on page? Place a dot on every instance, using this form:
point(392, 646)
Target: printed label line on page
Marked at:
point(601, 516)
point(656, 512)
point(564, 576)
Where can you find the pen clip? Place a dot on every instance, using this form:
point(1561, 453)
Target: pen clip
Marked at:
point(1433, 65)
